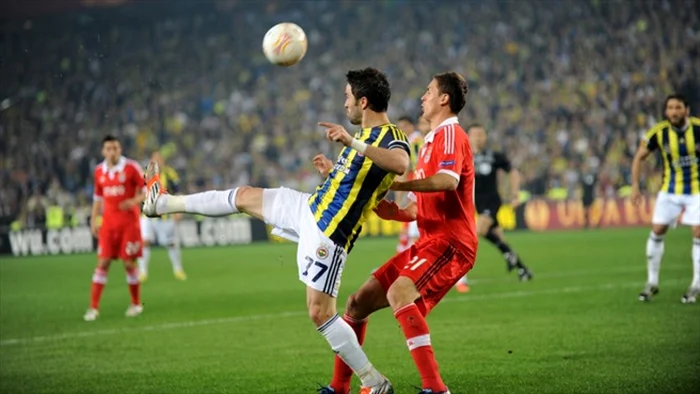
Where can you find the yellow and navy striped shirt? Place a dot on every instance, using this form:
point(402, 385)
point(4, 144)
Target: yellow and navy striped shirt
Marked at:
point(680, 150)
point(354, 186)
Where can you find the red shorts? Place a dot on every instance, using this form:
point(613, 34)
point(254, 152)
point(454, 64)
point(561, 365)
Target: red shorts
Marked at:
point(434, 266)
point(120, 242)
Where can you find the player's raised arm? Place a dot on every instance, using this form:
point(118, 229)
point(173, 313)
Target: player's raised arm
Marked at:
point(646, 146)
point(392, 155)
point(323, 164)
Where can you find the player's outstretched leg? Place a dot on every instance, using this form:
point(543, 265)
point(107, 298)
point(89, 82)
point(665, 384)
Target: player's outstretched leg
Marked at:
point(693, 292)
point(344, 341)
point(655, 251)
point(214, 203)
point(401, 296)
point(99, 279)
point(369, 298)
point(495, 236)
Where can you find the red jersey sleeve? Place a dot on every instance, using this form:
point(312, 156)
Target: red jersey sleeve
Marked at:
point(98, 193)
point(447, 156)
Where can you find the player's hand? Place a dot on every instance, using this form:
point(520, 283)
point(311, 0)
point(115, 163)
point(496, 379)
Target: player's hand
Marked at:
point(94, 228)
point(397, 186)
point(323, 164)
point(636, 196)
point(386, 209)
point(515, 202)
point(337, 133)
point(127, 204)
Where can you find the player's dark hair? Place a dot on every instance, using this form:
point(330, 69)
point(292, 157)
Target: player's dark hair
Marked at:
point(676, 96)
point(455, 87)
point(474, 126)
point(406, 118)
point(109, 138)
point(371, 84)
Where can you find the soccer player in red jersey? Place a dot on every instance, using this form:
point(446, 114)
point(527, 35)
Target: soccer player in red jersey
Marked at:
point(414, 281)
point(119, 192)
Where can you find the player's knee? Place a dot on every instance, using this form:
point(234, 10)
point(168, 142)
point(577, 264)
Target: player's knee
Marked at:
point(103, 264)
point(696, 231)
point(401, 293)
point(659, 229)
point(129, 265)
point(320, 313)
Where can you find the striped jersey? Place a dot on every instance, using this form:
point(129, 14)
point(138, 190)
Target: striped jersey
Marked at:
point(680, 150)
point(354, 186)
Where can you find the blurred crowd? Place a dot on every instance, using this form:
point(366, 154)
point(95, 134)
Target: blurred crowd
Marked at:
point(563, 87)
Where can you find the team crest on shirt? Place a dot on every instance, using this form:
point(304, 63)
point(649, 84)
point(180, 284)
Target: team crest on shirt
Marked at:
point(322, 252)
point(122, 177)
point(102, 179)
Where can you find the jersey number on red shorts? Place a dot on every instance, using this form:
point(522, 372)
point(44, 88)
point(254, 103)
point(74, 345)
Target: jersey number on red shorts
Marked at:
point(414, 263)
point(132, 248)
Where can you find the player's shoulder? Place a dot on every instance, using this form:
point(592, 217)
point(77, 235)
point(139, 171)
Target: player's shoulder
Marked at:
point(99, 168)
point(133, 164)
point(695, 121)
point(658, 127)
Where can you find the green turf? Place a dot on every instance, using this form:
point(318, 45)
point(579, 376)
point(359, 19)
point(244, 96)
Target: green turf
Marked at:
point(238, 325)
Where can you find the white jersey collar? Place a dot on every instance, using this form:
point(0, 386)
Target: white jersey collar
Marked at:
point(430, 136)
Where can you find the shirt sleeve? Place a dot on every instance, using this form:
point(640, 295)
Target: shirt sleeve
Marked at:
point(651, 140)
point(98, 193)
point(393, 138)
point(447, 155)
point(502, 162)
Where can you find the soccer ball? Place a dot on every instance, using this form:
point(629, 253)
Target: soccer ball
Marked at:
point(285, 44)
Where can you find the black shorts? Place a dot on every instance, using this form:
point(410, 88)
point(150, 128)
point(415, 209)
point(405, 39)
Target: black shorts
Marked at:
point(489, 206)
point(587, 201)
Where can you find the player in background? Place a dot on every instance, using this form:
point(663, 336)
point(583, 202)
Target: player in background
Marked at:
point(164, 228)
point(118, 196)
point(678, 140)
point(409, 233)
point(327, 223)
point(487, 163)
point(589, 181)
point(415, 280)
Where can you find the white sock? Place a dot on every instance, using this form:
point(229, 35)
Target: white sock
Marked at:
point(175, 259)
point(655, 250)
point(144, 259)
point(212, 203)
point(344, 343)
point(696, 263)
point(463, 280)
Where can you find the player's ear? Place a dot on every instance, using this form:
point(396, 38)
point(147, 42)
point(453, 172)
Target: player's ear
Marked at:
point(364, 103)
point(444, 99)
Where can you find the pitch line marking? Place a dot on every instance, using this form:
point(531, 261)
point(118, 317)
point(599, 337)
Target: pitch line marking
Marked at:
point(240, 319)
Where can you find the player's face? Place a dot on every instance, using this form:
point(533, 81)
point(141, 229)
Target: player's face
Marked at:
point(405, 126)
point(353, 107)
point(676, 112)
point(477, 137)
point(431, 100)
point(111, 150)
point(423, 125)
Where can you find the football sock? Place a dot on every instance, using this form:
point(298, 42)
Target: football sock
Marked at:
point(175, 258)
point(342, 374)
point(417, 334)
point(344, 343)
point(511, 257)
point(212, 203)
point(655, 250)
point(144, 259)
point(99, 279)
point(132, 279)
point(463, 280)
point(696, 263)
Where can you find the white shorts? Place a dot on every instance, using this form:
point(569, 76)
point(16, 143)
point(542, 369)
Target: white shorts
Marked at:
point(413, 230)
point(669, 206)
point(162, 230)
point(319, 260)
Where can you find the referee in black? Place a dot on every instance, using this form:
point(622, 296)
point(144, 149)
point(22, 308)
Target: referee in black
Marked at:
point(488, 201)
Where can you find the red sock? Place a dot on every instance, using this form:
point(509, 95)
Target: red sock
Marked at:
point(99, 278)
point(342, 374)
point(417, 334)
point(132, 278)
